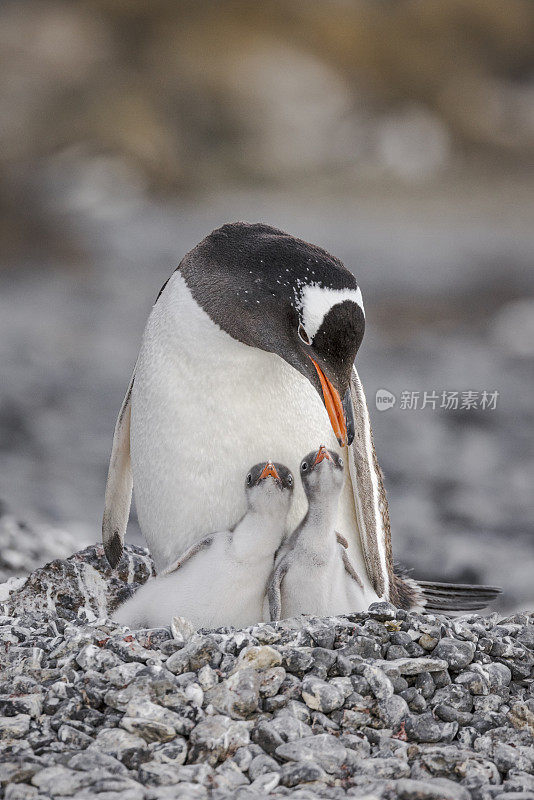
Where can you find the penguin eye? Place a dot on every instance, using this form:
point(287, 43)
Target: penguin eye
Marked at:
point(249, 478)
point(290, 480)
point(303, 335)
point(340, 461)
point(304, 466)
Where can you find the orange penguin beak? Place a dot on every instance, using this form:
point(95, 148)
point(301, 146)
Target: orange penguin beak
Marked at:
point(322, 453)
point(269, 470)
point(333, 406)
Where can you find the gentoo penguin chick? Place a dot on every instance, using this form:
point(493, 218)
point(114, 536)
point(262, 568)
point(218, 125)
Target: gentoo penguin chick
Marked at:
point(222, 579)
point(313, 573)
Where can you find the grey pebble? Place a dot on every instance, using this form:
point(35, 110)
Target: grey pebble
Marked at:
point(14, 727)
point(456, 653)
point(228, 777)
point(320, 695)
point(382, 611)
point(303, 772)
point(238, 696)
point(441, 789)
point(155, 773)
point(261, 765)
point(216, 736)
point(475, 682)
point(60, 781)
point(414, 666)
point(265, 783)
point(378, 681)
point(297, 662)
point(385, 768)
point(424, 683)
point(392, 711)
point(20, 791)
point(31, 704)
point(425, 728)
point(323, 749)
point(271, 680)
point(456, 696)
point(415, 699)
point(450, 714)
point(94, 759)
point(118, 743)
point(396, 651)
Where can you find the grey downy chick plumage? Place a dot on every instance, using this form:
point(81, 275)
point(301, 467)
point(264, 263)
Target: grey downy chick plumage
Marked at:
point(222, 578)
point(313, 573)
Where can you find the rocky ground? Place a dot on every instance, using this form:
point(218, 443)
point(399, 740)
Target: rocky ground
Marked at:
point(384, 704)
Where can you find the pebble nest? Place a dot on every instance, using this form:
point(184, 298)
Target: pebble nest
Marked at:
point(377, 705)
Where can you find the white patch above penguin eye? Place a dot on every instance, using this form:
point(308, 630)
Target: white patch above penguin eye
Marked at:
point(316, 301)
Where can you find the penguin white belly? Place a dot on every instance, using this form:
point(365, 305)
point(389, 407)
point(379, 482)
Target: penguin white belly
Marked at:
point(206, 407)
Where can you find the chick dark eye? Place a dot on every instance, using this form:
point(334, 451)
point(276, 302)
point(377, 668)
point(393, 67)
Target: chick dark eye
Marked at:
point(249, 479)
point(303, 335)
point(304, 466)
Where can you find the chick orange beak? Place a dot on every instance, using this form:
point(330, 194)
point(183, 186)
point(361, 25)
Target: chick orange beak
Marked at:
point(322, 453)
point(333, 406)
point(269, 470)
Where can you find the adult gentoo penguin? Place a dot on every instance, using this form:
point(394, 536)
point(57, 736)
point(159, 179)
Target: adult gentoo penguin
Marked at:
point(249, 350)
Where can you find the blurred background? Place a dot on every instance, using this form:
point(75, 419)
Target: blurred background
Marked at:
point(397, 134)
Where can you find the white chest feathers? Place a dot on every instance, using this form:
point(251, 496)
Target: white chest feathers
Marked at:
point(316, 582)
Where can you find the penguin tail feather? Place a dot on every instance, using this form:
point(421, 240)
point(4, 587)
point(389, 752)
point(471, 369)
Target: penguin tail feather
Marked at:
point(444, 597)
point(415, 595)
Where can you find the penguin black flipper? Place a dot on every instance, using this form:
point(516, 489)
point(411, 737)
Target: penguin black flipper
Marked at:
point(443, 597)
point(370, 499)
point(119, 485)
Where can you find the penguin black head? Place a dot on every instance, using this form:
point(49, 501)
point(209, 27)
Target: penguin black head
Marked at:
point(272, 291)
point(269, 485)
point(321, 471)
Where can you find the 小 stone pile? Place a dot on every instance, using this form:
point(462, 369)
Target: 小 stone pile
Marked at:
point(377, 705)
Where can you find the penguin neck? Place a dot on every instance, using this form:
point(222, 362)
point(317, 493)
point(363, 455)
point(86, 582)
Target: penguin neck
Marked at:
point(320, 522)
point(258, 535)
